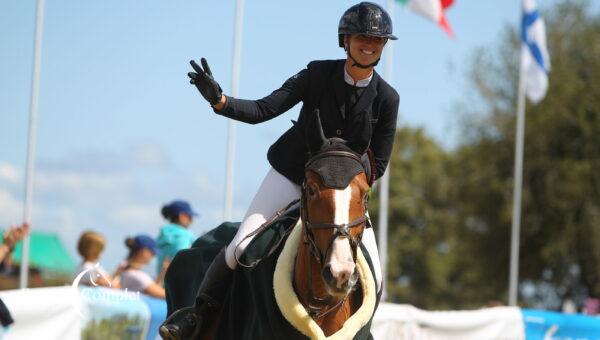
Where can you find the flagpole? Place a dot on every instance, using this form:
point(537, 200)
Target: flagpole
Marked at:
point(517, 190)
point(235, 79)
point(31, 138)
point(382, 233)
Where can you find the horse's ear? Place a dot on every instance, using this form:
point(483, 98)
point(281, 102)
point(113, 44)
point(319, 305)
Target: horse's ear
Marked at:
point(315, 136)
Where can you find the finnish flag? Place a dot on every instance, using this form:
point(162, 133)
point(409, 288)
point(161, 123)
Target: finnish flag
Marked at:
point(535, 61)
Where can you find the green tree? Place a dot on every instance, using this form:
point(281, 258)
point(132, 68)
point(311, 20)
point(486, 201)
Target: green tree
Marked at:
point(561, 179)
point(421, 267)
point(450, 212)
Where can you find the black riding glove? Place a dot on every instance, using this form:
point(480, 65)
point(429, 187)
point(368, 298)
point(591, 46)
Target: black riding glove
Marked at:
point(205, 83)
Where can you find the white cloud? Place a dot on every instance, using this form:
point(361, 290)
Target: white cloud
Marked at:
point(111, 193)
point(10, 209)
point(137, 218)
point(149, 156)
point(9, 173)
point(80, 182)
point(203, 184)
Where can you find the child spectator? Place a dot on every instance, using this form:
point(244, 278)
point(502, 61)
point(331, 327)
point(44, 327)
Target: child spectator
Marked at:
point(90, 246)
point(175, 235)
point(142, 248)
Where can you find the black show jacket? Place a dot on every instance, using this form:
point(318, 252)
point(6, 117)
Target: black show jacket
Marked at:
point(369, 123)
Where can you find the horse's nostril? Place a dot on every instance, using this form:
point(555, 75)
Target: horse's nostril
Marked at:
point(327, 274)
point(337, 278)
point(342, 278)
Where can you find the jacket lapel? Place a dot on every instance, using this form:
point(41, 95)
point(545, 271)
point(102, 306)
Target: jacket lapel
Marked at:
point(367, 97)
point(337, 79)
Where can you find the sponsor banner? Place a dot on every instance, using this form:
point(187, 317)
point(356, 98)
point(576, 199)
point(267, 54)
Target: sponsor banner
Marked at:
point(552, 325)
point(407, 322)
point(67, 313)
point(72, 313)
point(394, 321)
point(43, 313)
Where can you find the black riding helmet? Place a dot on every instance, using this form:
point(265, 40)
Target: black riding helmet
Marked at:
point(365, 18)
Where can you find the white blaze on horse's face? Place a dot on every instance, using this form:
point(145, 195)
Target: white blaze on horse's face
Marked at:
point(340, 258)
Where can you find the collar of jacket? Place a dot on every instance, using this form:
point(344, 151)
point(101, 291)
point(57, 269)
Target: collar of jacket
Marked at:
point(361, 83)
point(338, 82)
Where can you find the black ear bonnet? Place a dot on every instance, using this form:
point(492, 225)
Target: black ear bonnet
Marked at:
point(333, 159)
point(336, 164)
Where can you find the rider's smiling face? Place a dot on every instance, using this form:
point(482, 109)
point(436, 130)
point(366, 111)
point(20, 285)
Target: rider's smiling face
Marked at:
point(364, 48)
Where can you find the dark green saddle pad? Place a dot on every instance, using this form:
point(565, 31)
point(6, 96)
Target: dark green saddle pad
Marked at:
point(188, 267)
point(250, 310)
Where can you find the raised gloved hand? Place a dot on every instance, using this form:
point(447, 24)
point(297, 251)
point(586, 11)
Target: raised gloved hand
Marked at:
point(205, 83)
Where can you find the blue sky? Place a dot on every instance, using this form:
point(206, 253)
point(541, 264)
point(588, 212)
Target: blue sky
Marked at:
point(121, 131)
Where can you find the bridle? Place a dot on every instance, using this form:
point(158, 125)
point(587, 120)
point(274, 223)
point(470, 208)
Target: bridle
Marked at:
point(315, 304)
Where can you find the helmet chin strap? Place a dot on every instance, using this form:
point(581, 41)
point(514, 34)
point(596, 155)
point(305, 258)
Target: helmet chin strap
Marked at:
point(356, 63)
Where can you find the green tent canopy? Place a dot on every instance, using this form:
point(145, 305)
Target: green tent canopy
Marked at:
point(46, 252)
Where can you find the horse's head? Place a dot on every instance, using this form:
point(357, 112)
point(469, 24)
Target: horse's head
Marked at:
point(334, 201)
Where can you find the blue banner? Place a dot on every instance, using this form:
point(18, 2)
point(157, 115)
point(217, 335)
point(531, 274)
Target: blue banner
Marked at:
point(553, 325)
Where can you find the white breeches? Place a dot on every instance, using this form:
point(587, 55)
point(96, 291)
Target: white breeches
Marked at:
point(274, 193)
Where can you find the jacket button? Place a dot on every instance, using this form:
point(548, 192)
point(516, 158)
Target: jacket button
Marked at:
point(338, 132)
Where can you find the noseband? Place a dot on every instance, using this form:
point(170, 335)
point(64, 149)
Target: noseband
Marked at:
point(315, 304)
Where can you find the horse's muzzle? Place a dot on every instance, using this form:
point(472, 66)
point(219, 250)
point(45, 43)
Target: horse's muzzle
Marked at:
point(336, 286)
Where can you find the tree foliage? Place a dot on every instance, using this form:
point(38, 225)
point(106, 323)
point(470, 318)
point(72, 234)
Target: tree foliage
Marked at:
point(450, 211)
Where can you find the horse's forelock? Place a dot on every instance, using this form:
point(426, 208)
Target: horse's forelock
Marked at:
point(336, 144)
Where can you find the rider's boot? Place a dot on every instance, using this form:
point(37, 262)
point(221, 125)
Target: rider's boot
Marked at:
point(185, 323)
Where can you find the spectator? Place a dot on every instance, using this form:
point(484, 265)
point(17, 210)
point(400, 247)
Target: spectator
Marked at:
point(10, 238)
point(142, 248)
point(90, 246)
point(175, 235)
point(591, 306)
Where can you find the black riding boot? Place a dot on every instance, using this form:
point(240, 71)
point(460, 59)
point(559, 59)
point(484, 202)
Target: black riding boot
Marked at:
point(185, 323)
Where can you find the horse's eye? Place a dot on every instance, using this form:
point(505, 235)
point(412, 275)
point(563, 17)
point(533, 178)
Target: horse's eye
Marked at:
point(310, 191)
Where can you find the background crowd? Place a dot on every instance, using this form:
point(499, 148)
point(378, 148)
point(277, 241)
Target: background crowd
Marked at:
point(131, 274)
point(142, 249)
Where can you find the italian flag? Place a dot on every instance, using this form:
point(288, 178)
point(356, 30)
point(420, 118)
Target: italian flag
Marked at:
point(433, 10)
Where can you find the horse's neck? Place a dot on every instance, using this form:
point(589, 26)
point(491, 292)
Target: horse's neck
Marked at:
point(301, 275)
point(334, 321)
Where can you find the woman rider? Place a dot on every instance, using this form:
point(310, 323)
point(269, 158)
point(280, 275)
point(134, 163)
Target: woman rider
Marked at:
point(355, 104)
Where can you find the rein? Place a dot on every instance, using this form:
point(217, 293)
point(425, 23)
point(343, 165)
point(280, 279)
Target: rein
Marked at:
point(261, 228)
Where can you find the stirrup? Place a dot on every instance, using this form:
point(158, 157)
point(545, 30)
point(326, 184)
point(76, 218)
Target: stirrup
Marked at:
point(183, 324)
